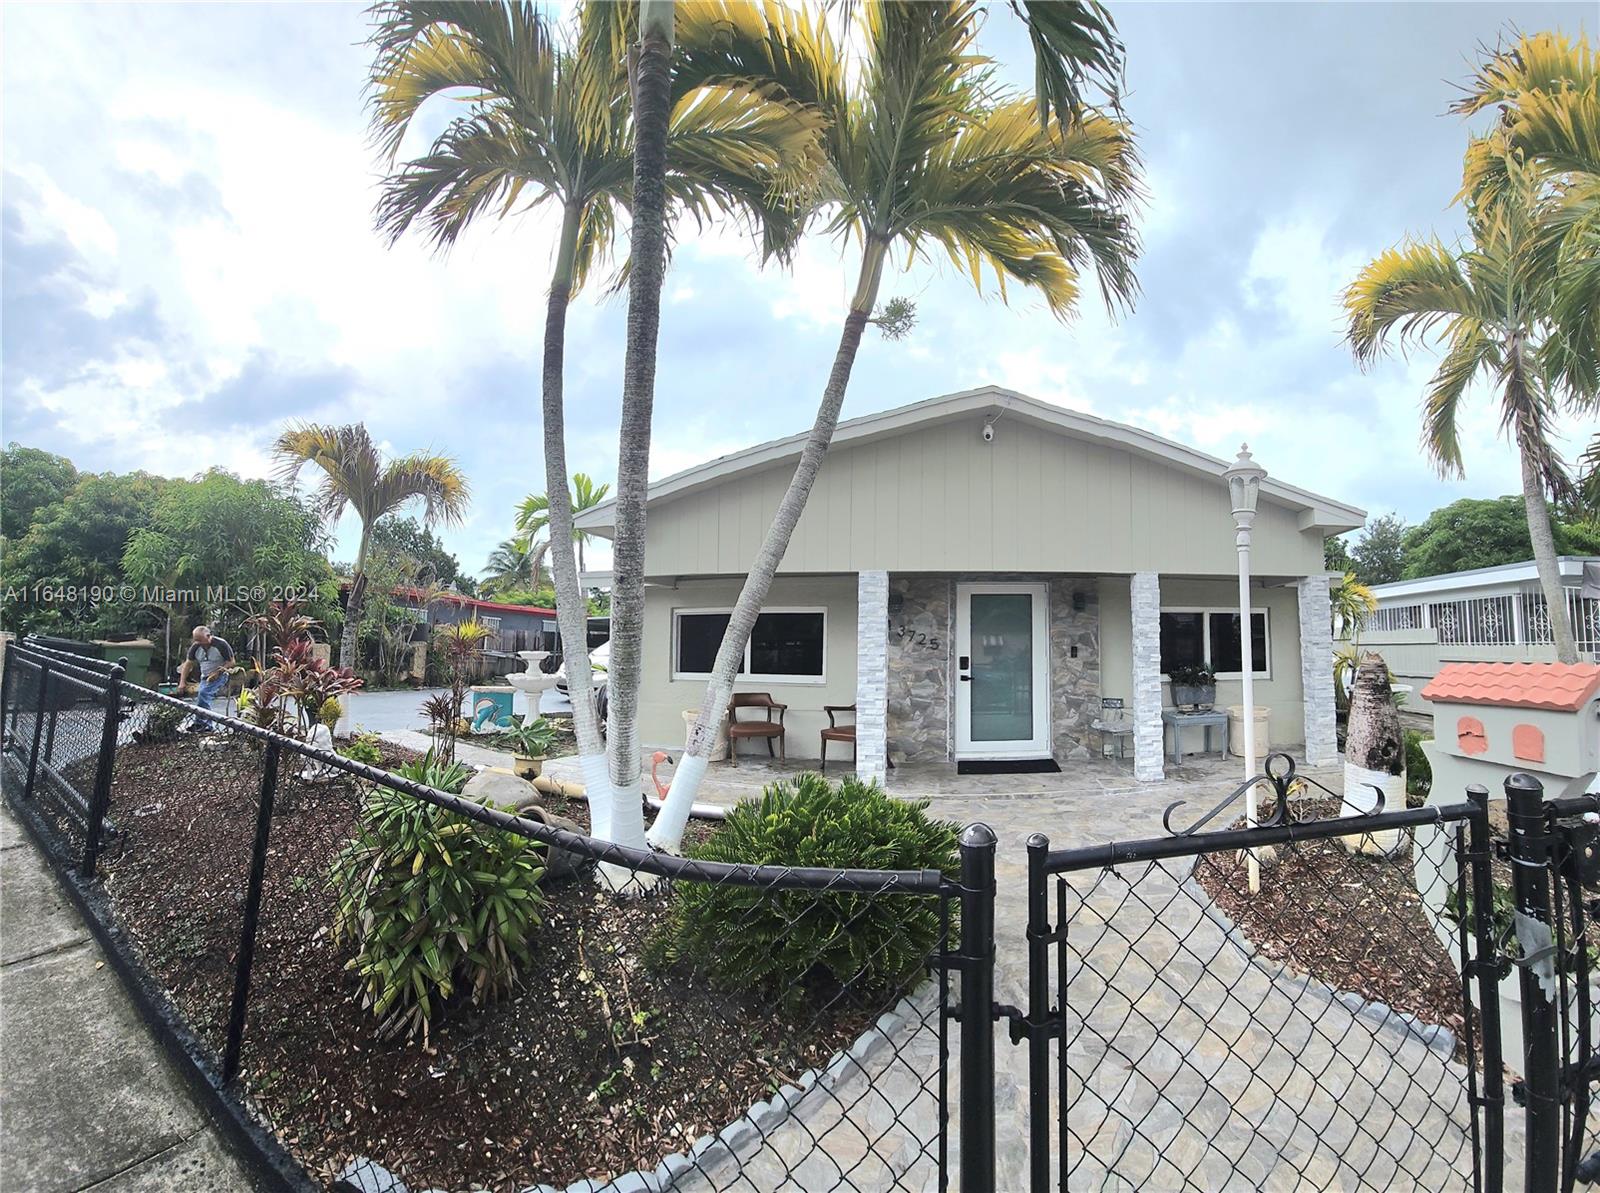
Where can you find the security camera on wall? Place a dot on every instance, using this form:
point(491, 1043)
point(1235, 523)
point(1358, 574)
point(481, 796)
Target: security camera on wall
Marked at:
point(988, 432)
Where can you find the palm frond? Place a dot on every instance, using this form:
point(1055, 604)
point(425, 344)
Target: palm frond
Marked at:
point(1471, 352)
point(1408, 292)
point(434, 480)
point(1075, 49)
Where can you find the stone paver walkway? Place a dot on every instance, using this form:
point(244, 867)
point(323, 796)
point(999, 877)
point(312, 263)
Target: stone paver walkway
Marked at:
point(87, 1100)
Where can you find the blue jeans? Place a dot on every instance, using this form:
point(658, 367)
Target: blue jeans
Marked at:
point(208, 691)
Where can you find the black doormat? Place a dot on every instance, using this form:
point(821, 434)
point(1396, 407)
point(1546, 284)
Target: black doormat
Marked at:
point(1010, 766)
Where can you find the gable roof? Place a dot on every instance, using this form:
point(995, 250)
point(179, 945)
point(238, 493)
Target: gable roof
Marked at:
point(1316, 512)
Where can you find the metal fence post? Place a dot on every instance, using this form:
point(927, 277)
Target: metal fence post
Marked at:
point(8, 717)
point(38, 728)
point(252, 913)
point(100, 798)
point(977, 1009)
point(1541, 1069)
point(1038, 1014)
point(1487, 969)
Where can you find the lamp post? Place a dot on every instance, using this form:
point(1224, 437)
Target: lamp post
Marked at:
point(1244, 486)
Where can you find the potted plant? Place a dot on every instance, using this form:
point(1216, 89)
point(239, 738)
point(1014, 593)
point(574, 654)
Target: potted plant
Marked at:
point(531, 742)
point(1193, 687)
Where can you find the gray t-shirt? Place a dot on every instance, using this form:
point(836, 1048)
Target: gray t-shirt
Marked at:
point(212, 657)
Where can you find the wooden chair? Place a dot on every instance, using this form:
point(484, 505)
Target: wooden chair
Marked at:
point(838, 732)
point(768, 728)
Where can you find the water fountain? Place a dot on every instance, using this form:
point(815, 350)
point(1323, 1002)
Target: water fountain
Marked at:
point(530, 683)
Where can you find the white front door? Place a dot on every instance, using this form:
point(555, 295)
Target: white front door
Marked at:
point(1002, 671)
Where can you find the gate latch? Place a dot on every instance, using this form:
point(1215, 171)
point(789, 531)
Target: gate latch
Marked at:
point(1023, 1028)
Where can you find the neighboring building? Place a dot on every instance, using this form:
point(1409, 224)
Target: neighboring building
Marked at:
point(1482, 615)
point(515, 627)
point(1065, 558)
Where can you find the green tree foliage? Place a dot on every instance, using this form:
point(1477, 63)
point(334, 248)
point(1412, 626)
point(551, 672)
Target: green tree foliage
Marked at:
point(34, 481)
point(1336, 555)
point(78, 543)
point(219, 531)
point(1477, 533)
point(435, 565)
point(1379, 554)
point(782, 942)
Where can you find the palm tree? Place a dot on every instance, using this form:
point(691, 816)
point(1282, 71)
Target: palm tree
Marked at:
point(547, 124)
point(1490, 305)
point(923, 152)
point(533, 515)
point(355, 474)
point(515, 564)
point(1546, 87)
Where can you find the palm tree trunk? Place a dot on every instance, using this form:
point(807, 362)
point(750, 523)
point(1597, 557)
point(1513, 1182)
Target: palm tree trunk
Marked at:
point(349, 635)
point(1544, 556)
point(571, 611)
point(652, 84)
point(667, 830)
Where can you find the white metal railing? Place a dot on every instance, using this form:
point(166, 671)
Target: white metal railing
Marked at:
point(1396, 617)
point(1583, 612)
point(1475, 621)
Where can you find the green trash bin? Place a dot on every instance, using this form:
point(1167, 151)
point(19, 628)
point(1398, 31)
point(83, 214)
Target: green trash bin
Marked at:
point(140, 653)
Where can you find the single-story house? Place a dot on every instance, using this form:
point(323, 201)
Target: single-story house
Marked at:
point(976, 573)
point(1491, 614)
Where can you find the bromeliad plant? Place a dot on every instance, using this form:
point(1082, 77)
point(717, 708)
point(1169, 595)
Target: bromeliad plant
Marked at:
point(433, 903)
point(532, 738)
point(436, 771)
point(787, 942)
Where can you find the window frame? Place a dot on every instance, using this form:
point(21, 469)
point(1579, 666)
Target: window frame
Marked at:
point(1205, 623)
point(748, 676)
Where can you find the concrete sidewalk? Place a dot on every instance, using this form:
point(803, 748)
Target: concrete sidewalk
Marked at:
point(87, 1098)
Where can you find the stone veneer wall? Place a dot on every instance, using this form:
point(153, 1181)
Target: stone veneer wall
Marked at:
point(922, 665)
point(921, 636)
point(872, 610)
point(1316, 672)
point(1074, 682)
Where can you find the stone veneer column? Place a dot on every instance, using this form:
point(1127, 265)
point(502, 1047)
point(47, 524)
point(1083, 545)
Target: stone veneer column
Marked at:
point(872, 676)
point(1149, 754)
point(1316, 671)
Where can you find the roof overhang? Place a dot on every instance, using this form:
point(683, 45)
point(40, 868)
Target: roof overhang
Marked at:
point(1569, 566)
point(1314, 512)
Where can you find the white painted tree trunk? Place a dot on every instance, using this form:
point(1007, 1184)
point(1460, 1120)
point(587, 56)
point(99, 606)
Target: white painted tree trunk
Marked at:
point(572, 611)
point(1544, 558)
point(652, 86)
point(667, 830)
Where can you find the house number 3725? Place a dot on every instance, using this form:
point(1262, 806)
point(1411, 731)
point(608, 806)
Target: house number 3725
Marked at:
point(912, 637)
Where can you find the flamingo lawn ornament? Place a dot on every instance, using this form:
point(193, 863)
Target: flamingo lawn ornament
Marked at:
point(655, 802)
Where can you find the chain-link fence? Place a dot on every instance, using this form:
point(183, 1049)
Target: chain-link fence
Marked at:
point(390, 986)
point(57, 711)
point(1268, 1008)
point(419, 989)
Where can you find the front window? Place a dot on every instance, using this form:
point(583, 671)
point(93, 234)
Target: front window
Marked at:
point(1210, 637)
point(787, 645)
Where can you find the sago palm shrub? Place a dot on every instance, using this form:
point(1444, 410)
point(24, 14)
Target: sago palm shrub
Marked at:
point(788, 943)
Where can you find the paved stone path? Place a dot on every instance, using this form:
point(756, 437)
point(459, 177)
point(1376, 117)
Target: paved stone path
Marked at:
point(89, 1101)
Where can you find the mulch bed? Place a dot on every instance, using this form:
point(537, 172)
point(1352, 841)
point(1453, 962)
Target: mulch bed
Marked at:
point(598, 1064)
point(1355, 922)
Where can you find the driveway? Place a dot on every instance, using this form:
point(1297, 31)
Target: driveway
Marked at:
point(390, 712)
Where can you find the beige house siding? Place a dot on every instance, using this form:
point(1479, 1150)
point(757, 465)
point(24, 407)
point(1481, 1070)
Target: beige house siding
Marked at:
point(662, 699)
point(939, 499)
point(1282, 693)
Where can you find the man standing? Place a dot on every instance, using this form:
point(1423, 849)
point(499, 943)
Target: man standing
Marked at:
point(211, 656)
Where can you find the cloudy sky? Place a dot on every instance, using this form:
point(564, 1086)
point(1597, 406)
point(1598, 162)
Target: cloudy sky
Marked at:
point(189, 260)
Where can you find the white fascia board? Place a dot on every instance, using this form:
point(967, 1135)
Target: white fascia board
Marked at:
point(1570, 566)
point(1316, 512)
